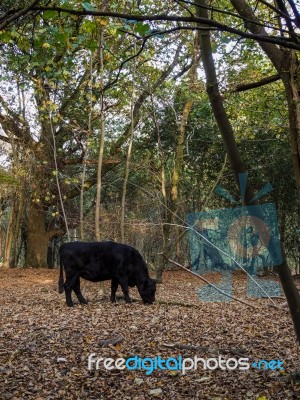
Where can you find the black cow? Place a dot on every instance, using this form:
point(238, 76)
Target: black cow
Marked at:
point(101, 261)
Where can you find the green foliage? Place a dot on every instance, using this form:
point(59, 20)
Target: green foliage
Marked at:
point(7, 179)
point(48, 61)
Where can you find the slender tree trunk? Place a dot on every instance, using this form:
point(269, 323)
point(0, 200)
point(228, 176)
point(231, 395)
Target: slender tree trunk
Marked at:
point(178, 165)
point(16, 233)
point(85, 154)
point(8, 239)
point(179, 152)
point(165, 215)
point(101, 146)
point(220, 174)
point(128, 158)
point(177, 172)
point(291, 292)
point(101, 151)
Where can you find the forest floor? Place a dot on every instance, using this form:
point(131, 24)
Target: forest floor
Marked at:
point(44, 345)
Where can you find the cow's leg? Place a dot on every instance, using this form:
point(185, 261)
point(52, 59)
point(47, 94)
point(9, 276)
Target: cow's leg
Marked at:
point(68, 292)
point(69, 285)
point(78, 293)
point(124, 285)
point(114, 288)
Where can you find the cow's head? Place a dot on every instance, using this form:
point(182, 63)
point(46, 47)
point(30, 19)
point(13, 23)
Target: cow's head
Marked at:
point(147, 290)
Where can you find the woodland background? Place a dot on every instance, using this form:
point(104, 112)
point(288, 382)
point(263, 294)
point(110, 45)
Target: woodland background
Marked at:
point(116, 120)
point(107, 131)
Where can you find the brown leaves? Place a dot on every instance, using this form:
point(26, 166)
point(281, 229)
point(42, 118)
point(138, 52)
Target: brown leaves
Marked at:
point(44, 345)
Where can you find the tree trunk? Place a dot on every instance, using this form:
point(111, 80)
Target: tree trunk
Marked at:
point(287, 65)
point(128, 158)
point(101, 152)
point(290, 76)
point(12, 232)
point(8, 240)
point(291, 292)
point(162, 262)
point(16, 233)
point(37, 238)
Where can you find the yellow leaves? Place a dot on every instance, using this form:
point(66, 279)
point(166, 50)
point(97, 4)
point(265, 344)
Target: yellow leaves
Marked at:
point(173, 373)
point(98, 85)
point(88, 339)
point(48, 68)
point(48, 105)
point(46, 45)
point(261, 397)
point(118, 346)
point(102, 21)
point(68, 181)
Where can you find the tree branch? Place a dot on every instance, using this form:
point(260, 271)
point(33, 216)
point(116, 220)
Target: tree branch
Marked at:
point(74, 94)
point(253, 85)
point(281, 41)
point(115, 148)
point(296, 12)
point(5, 19)
point(209, 283)
point(5, 139)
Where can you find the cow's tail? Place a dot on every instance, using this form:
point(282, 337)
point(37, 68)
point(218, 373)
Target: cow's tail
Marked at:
point(61, 276)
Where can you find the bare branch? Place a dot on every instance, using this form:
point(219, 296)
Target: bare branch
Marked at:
point(5, 139)
point(253, 85)
point(209, 283)
point(296, 12)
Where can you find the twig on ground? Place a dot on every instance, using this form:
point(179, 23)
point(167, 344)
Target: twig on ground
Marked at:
point(112, 341)
point(209, 283)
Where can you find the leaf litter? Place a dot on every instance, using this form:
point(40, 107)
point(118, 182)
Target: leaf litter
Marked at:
point(44, 345)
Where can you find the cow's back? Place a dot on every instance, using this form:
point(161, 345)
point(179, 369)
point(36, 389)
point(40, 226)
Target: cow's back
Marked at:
point(97, 261)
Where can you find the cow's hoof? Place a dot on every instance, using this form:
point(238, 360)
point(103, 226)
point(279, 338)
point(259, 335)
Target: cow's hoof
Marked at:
point(70, 304)
point(84, 302)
